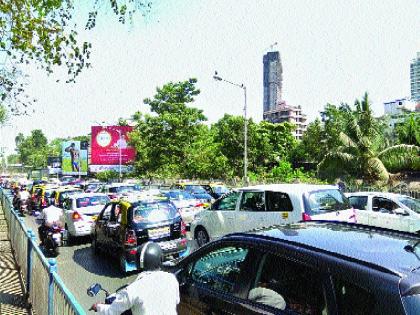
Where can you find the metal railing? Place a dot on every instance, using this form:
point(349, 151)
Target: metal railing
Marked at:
point(44, 288)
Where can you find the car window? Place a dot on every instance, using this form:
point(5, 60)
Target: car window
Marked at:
point(219, 269)
point(91, 201)
point(106, 213)
point(358, 202)
point(411, 203)
point(153, 211)
point(326, 200)
point(352, 299)
point(383, 205)
point(252, 201)
point(278, 201)
point(227, 203)
point(288, 285)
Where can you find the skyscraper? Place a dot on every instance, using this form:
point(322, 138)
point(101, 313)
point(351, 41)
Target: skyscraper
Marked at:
point(272, 80)
point(415, 78)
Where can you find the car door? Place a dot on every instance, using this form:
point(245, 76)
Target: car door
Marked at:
point(384, 216)
point(101, 225)
point(210, 280)
point(220, 219)
point(252, 212)
point(360, 204)
point(279, 209)
point(112, 229)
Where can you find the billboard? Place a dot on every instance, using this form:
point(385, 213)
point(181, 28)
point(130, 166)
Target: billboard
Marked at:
point(74, 157)
point(109, 145)
point(54, 164)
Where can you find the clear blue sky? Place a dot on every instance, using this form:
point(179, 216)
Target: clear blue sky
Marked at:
point(332, 51)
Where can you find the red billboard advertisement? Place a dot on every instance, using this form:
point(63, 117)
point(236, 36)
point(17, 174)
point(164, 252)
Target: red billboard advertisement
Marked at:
point(110, 145)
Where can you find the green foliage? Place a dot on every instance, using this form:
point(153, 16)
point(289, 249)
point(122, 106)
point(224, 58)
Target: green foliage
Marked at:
point(285, 173)
point(44, 32)
point(409, 131)
point(33, 149)
point(107, 176)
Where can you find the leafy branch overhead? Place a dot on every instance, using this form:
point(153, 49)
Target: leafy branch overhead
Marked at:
point(44, 32)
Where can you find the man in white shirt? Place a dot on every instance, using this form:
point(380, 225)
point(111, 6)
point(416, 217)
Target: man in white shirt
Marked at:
point(154, 292)
point(49, 216)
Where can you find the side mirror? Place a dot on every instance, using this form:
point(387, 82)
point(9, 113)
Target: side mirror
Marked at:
point(94, 289)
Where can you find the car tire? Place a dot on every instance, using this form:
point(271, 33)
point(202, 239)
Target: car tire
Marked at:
point(70, 238)
point(201, 236)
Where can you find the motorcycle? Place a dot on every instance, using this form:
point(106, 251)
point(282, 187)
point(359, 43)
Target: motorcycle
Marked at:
point(54, 239)
point(94, 289)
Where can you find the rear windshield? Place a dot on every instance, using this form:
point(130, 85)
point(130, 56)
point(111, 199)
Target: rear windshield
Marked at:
point(91, 201)
point(121, 189)
point(196, 189)
point(69, 193)
point(153, 211)
point(179, 195)
point(327, 200)
point(411, 203)
point(220, 190)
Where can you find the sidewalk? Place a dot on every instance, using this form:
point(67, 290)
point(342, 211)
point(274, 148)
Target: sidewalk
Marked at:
point(12, 301)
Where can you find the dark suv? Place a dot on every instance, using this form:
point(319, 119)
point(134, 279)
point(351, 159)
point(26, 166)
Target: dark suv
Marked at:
point(123, 226)
point(305, 268)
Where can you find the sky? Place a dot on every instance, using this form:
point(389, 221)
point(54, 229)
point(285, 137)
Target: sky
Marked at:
point(331, 52)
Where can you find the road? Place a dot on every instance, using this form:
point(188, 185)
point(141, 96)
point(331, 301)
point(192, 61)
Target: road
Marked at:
point(79, 268)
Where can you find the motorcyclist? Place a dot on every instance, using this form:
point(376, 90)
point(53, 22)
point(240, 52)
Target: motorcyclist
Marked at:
point(50, 215)
point(145, 294)
point(23, 196)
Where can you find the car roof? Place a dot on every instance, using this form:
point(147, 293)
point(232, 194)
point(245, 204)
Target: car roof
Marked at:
point(119, 185)
point(289, 188)
point(377, 247)
point(375, 193)
point(83, 195)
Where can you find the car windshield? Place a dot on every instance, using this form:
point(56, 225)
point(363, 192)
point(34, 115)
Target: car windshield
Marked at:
point(196, 189)
point(327, 200)
point(179, 195)
point(153, 211)
point(91, 201)
point(411, 203)
point(121, 189)
point(220, 190)
point(69, 193)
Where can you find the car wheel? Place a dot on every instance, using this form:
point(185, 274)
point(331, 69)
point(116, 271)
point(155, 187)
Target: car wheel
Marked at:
point(70, 237)
point(201, 236)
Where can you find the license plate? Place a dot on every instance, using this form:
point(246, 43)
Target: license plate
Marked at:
point(159, 232)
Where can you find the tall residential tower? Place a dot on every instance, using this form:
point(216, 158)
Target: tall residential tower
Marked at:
point(272, 80)
point(415, 78)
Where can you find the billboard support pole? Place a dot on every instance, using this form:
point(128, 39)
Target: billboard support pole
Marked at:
point(119, 153)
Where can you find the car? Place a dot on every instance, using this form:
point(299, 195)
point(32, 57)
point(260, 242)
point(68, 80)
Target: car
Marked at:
point(80, 212)
point(123, 226)
point(265, 205)
point(118, 190)
point(187, 205)
point(303, 268)
point(62, 193)
point(388, 210)
point(200, 193)
point(216, 190)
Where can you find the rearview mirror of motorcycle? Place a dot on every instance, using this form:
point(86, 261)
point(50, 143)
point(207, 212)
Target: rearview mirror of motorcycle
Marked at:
point(94, 289)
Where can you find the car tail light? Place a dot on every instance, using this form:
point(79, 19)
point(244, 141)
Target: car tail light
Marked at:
point(183, 228)
point(76, 216)
point(306, 217)
point(199, 205)
point(133, 252)
point(130, 238)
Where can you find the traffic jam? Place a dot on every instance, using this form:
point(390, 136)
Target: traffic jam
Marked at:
point(265, 249)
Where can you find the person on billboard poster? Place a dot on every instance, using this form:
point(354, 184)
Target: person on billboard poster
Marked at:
point(121, 142)
point(75, 156)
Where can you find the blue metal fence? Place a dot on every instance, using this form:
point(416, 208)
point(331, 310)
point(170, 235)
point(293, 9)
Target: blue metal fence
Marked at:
point(44, 287)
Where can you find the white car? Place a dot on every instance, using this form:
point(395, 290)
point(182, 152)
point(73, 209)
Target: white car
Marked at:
point(187, 205)
point(119, 190)
point(387, 210)
point(265, 205)
point(80, 212)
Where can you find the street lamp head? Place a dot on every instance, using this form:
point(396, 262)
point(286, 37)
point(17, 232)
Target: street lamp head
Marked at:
point(216, 77)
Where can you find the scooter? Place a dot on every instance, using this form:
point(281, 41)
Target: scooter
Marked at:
point(54, 239)
point(94, 289)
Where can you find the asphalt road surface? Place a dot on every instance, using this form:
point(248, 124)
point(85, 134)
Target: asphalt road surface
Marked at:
point(79, 267)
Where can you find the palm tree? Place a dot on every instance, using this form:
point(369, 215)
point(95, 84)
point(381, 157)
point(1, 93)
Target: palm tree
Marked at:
point(361, 151)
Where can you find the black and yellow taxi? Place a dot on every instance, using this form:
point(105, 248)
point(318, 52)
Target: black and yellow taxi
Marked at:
point(124, 225)
point(61, 194)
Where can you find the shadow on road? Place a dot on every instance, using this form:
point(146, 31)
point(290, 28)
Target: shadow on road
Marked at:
point(97, 264)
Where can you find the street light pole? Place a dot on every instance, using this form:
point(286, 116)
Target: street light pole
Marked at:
point(119, 152)
point(243, 87)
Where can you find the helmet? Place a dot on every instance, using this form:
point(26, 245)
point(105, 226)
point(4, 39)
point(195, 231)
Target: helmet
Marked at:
point(150, 256)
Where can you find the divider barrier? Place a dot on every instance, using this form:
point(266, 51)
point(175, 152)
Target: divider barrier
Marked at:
point(44, 288)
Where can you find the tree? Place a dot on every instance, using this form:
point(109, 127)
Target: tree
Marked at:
point(312, 147)
point(44, 32)
point(33, 149)
point(409, 131)
point(163, 141)
point(360, 152)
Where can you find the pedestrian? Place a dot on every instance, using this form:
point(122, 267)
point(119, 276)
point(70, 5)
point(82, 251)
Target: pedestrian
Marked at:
point(154, 292)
